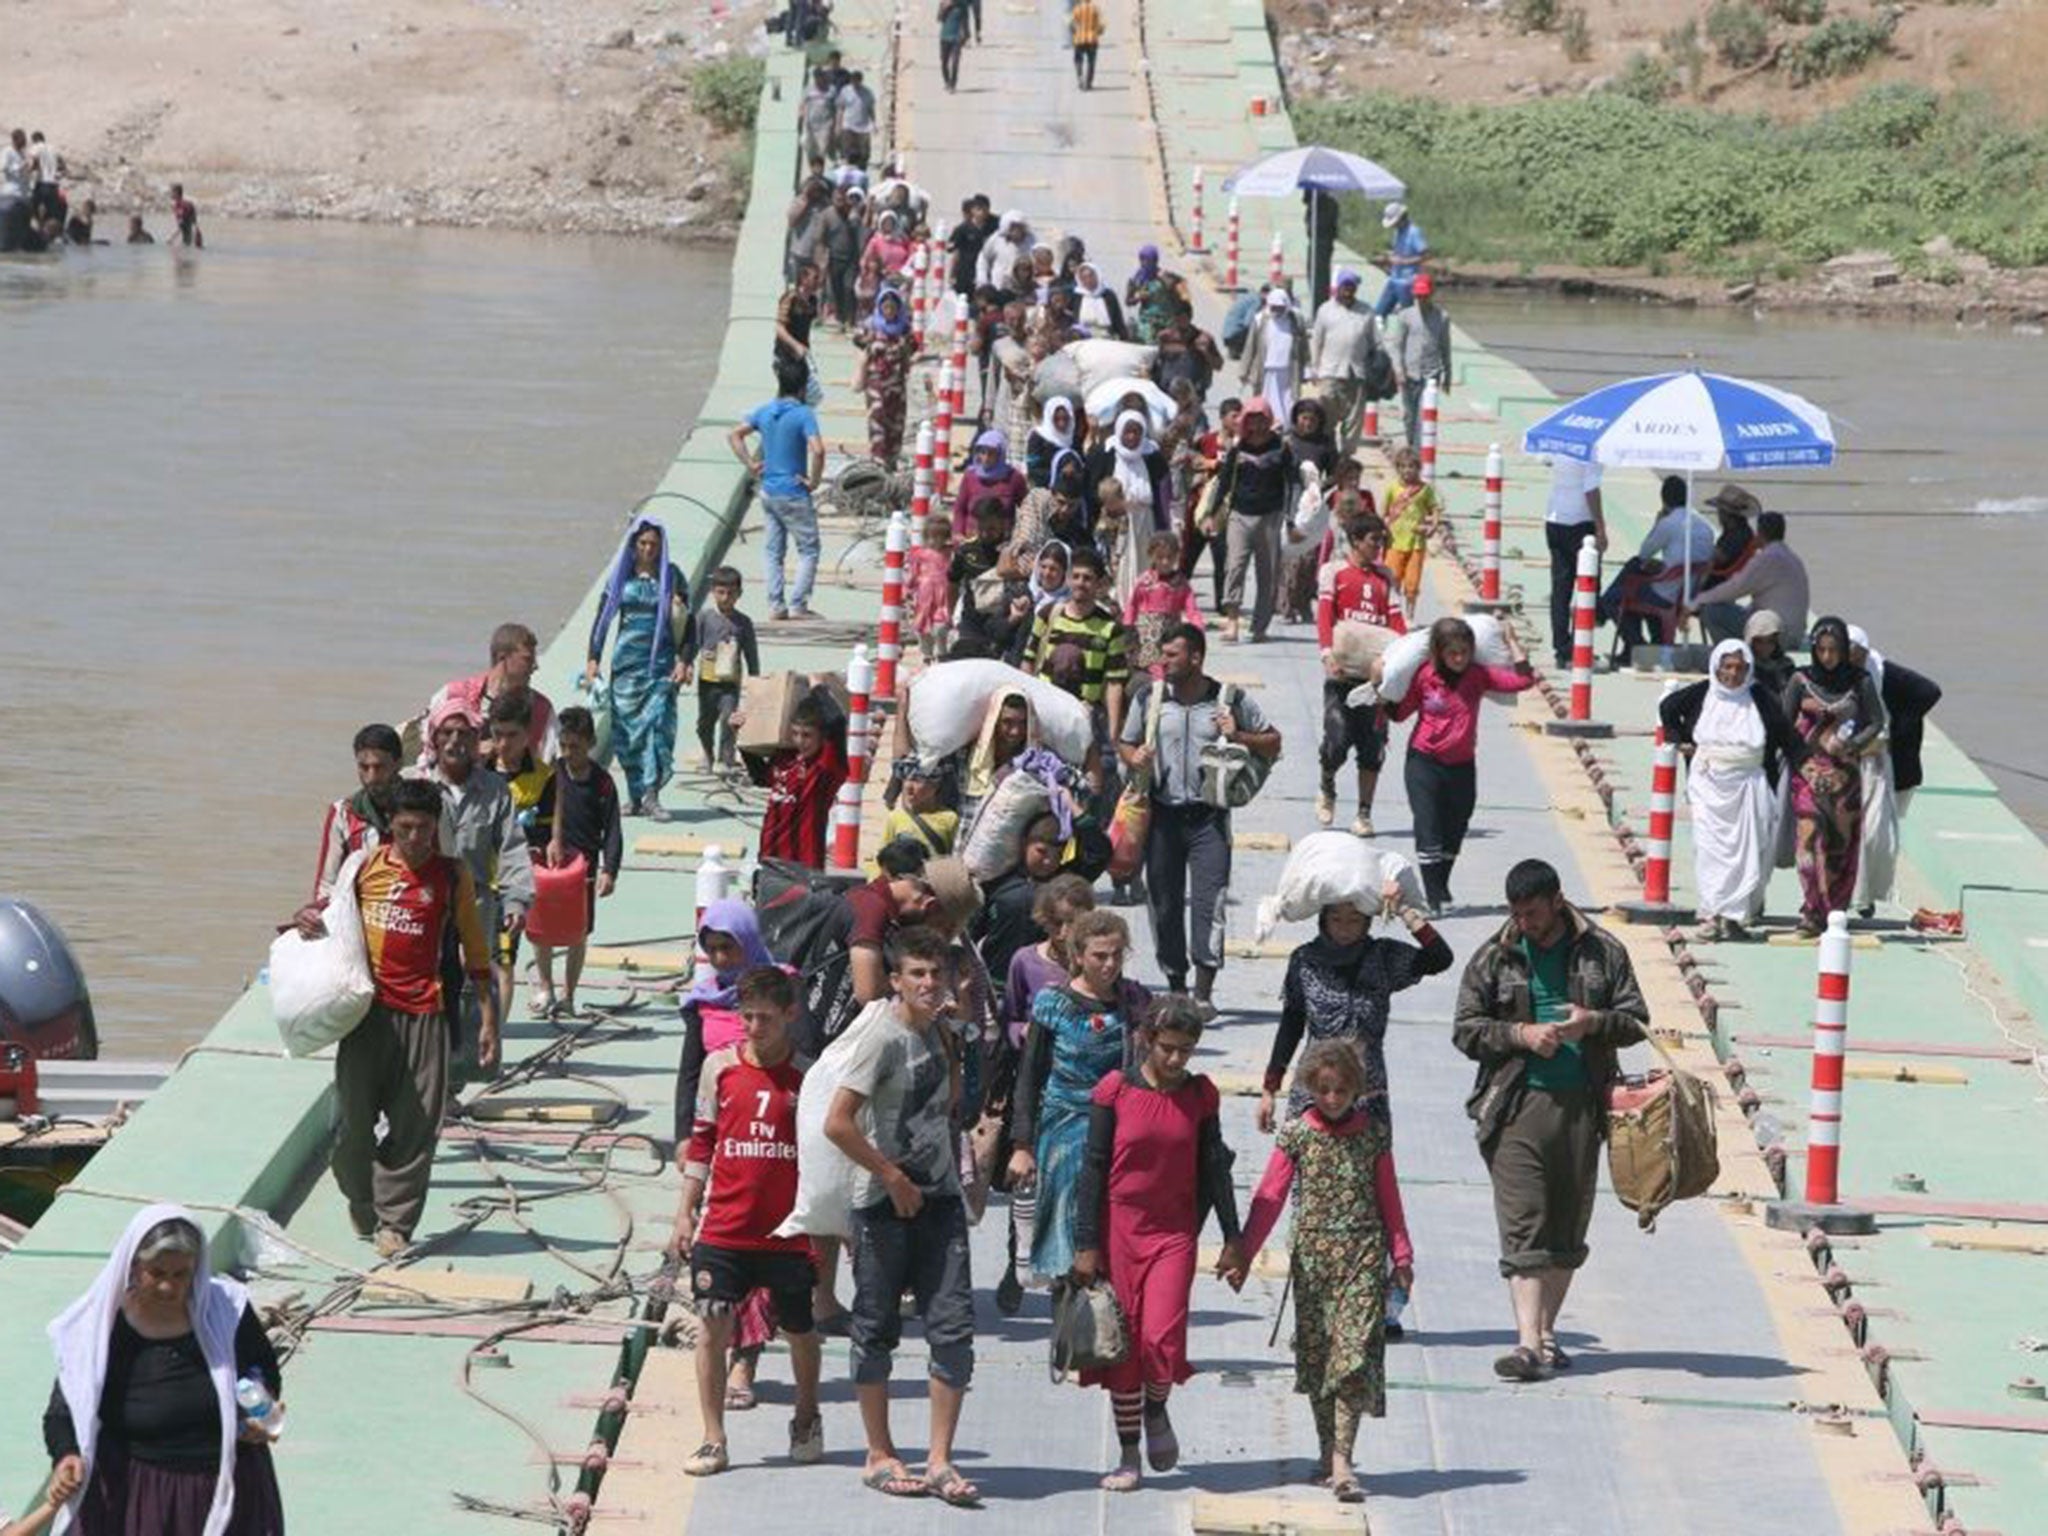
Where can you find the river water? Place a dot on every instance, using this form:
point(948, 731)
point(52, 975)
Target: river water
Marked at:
point(259, 495)
point(1931, 530)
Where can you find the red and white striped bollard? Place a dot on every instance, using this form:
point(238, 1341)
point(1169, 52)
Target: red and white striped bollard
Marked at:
point(921, 474)
point(1231, 232)
point(1195, 241)
point(1663, 811)
point(1579, 719)
point(1489, 549)
point(942, 436)
point(959, 357)
point(1369, 429)
point(1823, 1206)
point(846, 808)
point(889, 632)
point(918, 259)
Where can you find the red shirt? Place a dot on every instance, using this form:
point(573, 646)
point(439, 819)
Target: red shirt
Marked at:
point(800, 795)
point(744, 1139)
point(1365, 593)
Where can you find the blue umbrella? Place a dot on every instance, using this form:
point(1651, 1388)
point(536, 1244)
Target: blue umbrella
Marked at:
point(1313, 165)
point(1689, 421)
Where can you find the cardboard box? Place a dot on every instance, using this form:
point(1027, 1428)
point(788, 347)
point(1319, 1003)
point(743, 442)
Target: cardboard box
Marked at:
point(766, 703)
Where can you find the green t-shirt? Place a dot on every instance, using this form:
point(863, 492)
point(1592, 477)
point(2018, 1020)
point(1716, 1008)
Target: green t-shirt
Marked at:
point(1550, 972)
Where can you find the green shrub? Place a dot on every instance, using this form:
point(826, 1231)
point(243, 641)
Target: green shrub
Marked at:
point(1576, 35)
point(1535, 15)
point(1839, 47)
point(1800, 13)
point(1645, 78)
point(1739, 32)
point(728, 92)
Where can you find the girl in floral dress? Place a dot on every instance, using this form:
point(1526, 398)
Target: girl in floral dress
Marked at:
point(1348, 1222)
point(1160, 599)
point(931, 587)
point(884, 374)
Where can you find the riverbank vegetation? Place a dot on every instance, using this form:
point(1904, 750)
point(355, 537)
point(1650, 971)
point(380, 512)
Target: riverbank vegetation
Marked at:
point(1621, 178)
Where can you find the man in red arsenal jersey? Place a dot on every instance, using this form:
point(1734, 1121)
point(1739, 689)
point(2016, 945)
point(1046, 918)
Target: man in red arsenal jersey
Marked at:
point(803, 781)
point(1356, 587)
point(742, 1149)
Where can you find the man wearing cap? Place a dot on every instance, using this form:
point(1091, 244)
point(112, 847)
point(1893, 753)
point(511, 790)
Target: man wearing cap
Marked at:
point(1774, 578)
point(1405, 249)
point(1341, 345)
point(1275, 353)
point(480, 829)
point(1419, 340)
point(1000, 253)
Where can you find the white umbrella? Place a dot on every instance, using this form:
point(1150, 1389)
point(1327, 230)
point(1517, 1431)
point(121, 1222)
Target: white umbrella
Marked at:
point(1314, 166)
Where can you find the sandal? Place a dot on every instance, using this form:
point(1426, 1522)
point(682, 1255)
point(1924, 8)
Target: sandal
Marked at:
point(894, 1479)
point(1555, 1357)
point(1124, 1479)
point(1347, 1491)
point(947, 1484)
point(739, 1399)
point(708, 1460)
point(1519, 1364)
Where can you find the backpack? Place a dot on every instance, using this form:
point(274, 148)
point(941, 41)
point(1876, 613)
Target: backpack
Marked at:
point(1379, 375)
point(1660, 1138)
point(1232, 774)
point(805, 923)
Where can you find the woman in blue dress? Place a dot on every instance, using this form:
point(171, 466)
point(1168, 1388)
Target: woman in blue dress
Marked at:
point(1079, 1034)
point(650, 600)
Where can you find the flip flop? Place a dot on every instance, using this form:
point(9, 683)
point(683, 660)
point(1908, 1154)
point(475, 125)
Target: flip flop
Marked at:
point(894, 1479)
point(1348, 1491)
point(946, 1483)
point(739, 1399)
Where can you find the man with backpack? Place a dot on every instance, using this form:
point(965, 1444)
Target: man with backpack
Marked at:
point(1544, 1008)
point(1172, 734)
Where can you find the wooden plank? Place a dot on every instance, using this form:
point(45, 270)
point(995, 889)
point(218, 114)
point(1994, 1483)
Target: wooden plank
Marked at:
point(545, 1109)
point(1991, 1239)
point(688, 845)
point(645, 1491)
point(1273, 1514)
point(1877, 1069)
point(1262, 842)
point(1248, 949)
point(2012, 1053)
point(604, 957)
point(414, 1281)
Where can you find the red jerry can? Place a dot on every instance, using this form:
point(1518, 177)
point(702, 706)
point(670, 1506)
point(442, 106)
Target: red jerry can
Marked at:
point(561, 909)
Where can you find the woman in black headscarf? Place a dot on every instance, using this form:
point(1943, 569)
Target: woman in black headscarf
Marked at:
point(1835, 708)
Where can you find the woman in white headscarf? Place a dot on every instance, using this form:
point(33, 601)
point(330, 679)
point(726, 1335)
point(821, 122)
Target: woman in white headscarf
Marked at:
point(1134, 461)
point(1878, 869)
point(144, 1412)
point(1736, 741)
point(1054, 432)
point(1096, 305)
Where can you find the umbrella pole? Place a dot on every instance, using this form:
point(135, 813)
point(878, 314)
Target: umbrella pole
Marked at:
point(1685, 580)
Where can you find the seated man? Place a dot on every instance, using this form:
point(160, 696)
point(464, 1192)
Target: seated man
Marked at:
point(1647, 590)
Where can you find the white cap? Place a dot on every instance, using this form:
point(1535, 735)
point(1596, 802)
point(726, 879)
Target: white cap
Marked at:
point(1395, 213)
point(1276, 298)
point(1011, 216)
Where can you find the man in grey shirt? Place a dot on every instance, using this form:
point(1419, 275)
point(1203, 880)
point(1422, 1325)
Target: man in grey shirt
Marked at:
point(1774, 580)
point(1420, 340)
point(892, 1115)
point(1341, 343)
point(1165, 729)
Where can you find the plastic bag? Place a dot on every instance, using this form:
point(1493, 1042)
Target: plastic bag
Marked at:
point(996, 840)
point(320, 989)
point(1329, 868)
point(824, 1174)
point(597, 698)
point(949, 701)
point(1404, 658)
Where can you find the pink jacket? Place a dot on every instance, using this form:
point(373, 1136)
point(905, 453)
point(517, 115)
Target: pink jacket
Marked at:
point(1448, 729)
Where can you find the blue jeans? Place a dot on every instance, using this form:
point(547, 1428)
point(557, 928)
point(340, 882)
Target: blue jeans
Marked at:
point(791, 517)
point(1394, 295)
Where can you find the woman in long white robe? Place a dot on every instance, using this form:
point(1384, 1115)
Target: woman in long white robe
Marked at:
point(1734, 808)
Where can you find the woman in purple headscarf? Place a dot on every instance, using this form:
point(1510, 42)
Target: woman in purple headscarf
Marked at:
point(650, 599)
point(1152, 297)
point(989, 473)
point(887, 348)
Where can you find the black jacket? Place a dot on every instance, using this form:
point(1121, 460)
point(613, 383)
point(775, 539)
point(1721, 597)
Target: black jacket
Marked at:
point(1908, 697)
point(1680, 712)
point(1494, 996)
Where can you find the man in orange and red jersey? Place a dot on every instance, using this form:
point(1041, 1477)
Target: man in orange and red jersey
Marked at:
point(1355, 587)
point(395, 1063)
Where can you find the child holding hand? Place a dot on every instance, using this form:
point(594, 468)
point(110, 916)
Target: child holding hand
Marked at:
point(66, 1478)
point(931, 587)
point(1339, 1162)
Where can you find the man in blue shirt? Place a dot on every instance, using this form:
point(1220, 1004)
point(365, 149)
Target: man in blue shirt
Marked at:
point(790, 462)
point(1405, 249)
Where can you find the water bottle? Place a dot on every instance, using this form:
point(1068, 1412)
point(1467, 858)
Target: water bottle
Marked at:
point(1397, 1303)
point(258, 1406)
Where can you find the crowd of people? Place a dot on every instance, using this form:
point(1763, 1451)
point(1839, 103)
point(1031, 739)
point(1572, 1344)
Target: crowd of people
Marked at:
point(972, 1004)
point(38, 212)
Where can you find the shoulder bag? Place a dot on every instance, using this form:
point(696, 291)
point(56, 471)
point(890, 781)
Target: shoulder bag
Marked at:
point(1232, 774)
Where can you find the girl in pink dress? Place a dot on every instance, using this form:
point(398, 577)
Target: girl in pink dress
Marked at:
point(1154, 1166)
point(1161, 598)
point(931, 587)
